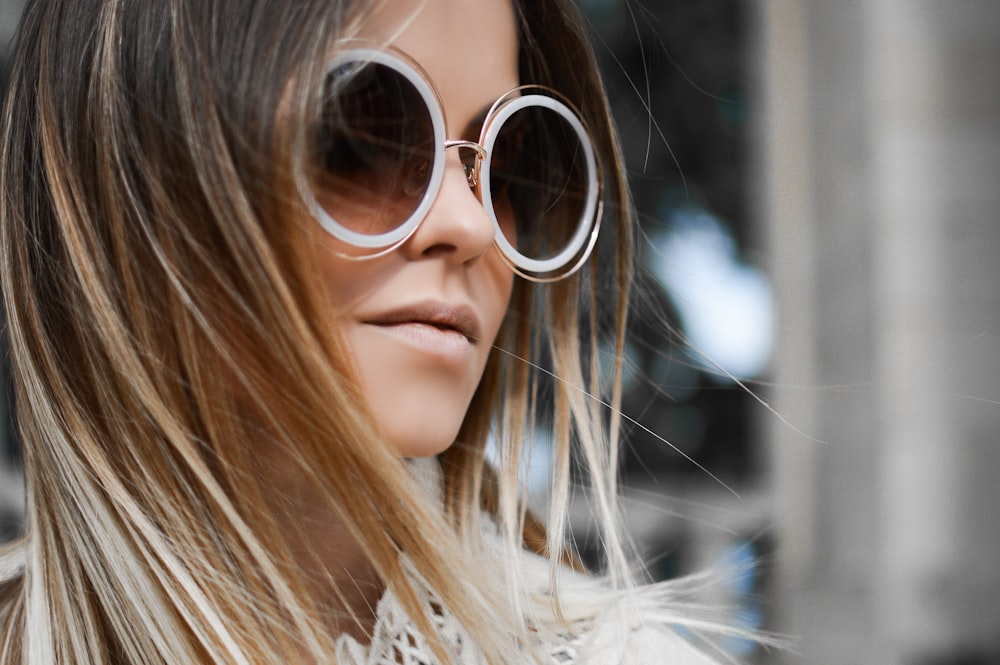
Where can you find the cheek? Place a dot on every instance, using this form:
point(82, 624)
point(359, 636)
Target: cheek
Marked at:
point(370, 205)
point(344, 281)
point(501, 284)
point(505, 216)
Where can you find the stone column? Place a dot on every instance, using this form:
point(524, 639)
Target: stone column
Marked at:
point(881, 199)
point(936, 139)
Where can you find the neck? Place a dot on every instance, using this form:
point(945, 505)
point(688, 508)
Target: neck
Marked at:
point(340, 576)
point(350, 588)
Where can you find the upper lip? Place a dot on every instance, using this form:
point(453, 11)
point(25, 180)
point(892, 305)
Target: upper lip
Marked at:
point(457, 317)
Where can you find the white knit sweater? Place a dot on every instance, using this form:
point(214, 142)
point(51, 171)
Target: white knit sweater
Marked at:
point(611, 627)
point(624, 633)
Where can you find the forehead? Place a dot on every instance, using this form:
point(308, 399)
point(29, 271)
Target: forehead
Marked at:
point(467, 47)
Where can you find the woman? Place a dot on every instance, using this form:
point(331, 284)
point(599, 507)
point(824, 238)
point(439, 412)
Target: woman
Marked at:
point(259, 263)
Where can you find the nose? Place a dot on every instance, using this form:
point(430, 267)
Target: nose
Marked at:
point(457, 226)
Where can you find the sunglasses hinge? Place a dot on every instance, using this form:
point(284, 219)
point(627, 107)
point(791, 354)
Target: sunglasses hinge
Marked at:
point(471, 170)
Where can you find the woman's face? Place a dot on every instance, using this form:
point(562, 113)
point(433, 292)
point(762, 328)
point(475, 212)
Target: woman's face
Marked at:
point(419, 322)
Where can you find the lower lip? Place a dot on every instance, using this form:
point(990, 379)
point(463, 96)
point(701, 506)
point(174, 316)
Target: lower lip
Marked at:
point(446, 344)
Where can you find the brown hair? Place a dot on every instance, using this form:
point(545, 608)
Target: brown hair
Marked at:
point(164, 329)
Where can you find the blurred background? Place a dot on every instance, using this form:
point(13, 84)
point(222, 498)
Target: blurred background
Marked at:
point(816, 345)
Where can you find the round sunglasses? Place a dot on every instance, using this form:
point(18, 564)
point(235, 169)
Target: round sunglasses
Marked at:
point(378, 160)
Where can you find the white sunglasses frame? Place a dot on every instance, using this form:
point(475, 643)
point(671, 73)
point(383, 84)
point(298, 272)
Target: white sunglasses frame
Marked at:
point(538, 270)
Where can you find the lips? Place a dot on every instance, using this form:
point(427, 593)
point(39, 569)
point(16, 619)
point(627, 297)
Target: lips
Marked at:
point(461, 319)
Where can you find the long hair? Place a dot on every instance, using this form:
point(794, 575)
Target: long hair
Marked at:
point(167, 335)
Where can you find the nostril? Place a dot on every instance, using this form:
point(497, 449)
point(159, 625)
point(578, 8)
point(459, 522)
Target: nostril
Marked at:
point(440, 249)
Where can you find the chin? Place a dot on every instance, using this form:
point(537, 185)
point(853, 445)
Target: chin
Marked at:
point(419, 427)
point(421, 443)
point(419, 411)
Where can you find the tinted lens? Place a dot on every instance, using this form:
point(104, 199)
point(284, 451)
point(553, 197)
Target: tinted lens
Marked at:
point(540, 183)
point(373, 148)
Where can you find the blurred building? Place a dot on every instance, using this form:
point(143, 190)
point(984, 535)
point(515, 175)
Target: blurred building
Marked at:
point(880, 160)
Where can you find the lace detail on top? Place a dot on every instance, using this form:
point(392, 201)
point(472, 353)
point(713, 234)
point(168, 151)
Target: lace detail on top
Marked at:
point(396, 641)
point(609, 628)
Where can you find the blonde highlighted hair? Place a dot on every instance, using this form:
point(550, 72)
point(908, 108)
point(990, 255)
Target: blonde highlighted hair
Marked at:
point(166, 333)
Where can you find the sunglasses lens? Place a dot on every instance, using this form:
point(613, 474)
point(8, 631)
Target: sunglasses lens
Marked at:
point(542, 186)
point(373, 149)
